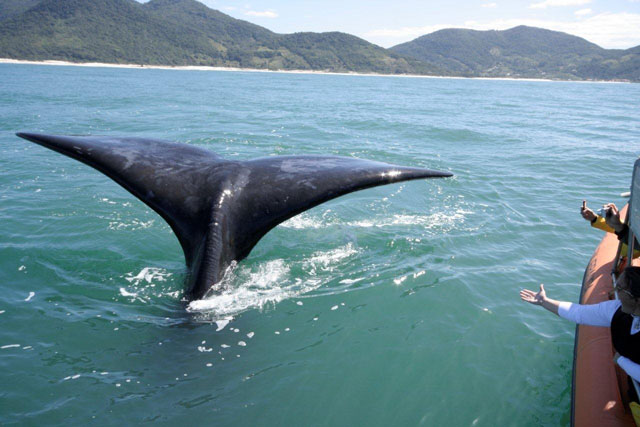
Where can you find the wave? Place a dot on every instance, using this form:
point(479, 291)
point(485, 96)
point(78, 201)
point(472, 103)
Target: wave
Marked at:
point(438, 220)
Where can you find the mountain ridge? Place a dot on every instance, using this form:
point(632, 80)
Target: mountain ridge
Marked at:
point(187, 32)
point(522, 51)
point(180, 32)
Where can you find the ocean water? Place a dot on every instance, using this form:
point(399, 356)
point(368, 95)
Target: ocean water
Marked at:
point(396, 305)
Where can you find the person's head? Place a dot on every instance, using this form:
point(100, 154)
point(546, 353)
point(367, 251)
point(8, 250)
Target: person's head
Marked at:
point(628, 287)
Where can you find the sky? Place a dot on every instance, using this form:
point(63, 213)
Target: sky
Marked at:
point(612, 24)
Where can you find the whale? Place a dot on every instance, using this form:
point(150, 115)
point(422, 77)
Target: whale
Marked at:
point(219, 208)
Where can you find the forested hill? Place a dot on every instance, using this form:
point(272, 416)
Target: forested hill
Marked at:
point(522, 52)
point(186, 32)
point(179, 32)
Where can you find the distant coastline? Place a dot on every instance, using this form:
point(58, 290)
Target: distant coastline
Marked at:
point(188, 35)
point(257, 70)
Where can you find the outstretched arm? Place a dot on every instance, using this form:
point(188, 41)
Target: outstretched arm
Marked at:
point(584, 314)
point(540, 298)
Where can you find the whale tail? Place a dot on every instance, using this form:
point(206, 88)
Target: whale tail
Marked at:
point(220, 209)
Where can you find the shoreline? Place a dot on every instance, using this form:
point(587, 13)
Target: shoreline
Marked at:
point(258, 70)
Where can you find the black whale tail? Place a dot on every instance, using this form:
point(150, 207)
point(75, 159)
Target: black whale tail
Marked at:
point(220, 209)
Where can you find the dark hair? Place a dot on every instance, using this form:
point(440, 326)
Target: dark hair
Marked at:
point(632, 279)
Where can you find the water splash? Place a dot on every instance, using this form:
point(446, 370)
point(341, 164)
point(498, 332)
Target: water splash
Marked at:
point(149, 283)
point(268, 283)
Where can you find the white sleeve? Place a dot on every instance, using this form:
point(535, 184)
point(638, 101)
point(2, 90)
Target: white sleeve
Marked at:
point(589, 314)
point(630, 367)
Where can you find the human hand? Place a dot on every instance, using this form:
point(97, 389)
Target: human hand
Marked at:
point(533, 298)
point(613, 217)
point(587, 213)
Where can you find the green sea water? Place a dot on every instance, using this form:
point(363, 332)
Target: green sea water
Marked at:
point(396, 305)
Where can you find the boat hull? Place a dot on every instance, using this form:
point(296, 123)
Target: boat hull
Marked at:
point(599, 387)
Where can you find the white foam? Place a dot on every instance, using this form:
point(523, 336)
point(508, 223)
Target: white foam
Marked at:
point(335, 307)
point(242, 343)
point(303, 221)
point(250, 334)
point(222, 323)
point(126, 293)
point(399, 280)
point(326, 260)
point(135, 224)
point(31, 295)
point(258, 289)
point(149, 275)
point(438, 220)
point(10, 346)
point(22, 268)
point(144, 285)
point(204, 349)
point(246, 287)
point(351, 281)
point(133, 295)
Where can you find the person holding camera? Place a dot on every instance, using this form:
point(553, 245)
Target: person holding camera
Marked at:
point(608, 219)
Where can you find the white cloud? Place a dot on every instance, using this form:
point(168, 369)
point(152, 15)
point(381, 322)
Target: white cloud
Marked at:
point(264, 14)
point(608, 30)
point(583, 12)
point(406, 32)
point(553, 3)
point(491, 5)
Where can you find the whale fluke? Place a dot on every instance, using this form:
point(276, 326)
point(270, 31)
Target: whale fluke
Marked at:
point(219, 209)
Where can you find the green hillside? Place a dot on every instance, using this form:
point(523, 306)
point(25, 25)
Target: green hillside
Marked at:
point(179, 32)
point(9, 8)
point(522, 52)
point(186, 32)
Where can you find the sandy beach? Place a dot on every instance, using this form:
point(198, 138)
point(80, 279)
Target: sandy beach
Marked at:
point(256, 70)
